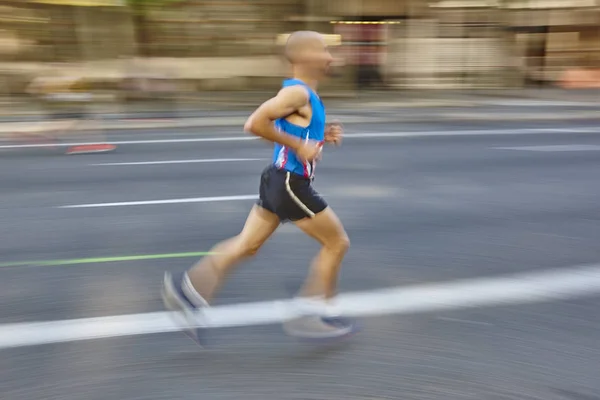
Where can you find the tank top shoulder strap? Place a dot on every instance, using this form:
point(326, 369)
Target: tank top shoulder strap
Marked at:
point(295, 82)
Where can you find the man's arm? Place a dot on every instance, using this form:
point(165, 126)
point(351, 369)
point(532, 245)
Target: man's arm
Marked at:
point(262, 121)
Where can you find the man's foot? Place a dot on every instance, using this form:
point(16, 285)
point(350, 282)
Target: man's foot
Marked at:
point(187, 314)
point(317, 322)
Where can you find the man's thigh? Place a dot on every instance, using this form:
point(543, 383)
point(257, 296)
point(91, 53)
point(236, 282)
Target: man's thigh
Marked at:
point(260, 225)
point(325, 227)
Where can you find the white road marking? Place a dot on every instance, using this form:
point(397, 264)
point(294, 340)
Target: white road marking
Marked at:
point(374, 135)
point(148, 141)
point(473, 132)
point(206, 160)
point(521, 288)
point(168, 201)
point(538, 103)
point(554, 148)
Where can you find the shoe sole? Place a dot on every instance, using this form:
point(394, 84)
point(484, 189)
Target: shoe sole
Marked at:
point(316, 338)
point(325, 340)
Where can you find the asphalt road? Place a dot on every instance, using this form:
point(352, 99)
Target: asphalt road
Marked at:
point(418, 210)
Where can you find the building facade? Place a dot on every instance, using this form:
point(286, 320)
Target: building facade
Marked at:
point(392, 43)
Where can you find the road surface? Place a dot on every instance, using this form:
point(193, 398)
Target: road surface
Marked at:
point(430, 207)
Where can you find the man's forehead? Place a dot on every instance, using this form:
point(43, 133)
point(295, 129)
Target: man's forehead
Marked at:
point(305, 38)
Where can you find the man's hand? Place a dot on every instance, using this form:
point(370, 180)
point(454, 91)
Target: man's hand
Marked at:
point(309, 151)
point(334, 132)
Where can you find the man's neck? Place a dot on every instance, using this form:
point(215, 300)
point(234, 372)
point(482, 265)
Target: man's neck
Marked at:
point(311, 82)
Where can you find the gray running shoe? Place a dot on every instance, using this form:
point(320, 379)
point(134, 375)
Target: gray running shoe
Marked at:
point(186, 314)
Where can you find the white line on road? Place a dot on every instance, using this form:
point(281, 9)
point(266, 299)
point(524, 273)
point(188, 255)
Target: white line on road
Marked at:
point(541, 103)
point(374, 135)
point(554, 148)
point(473, 132)
point(148, 141)
point(521, 288)
point(206, 160)
point(168, 201)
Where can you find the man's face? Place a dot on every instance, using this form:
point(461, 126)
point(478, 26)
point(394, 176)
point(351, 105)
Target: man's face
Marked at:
point(316, 56)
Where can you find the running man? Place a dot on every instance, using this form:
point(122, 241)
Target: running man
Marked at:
point(294, 120)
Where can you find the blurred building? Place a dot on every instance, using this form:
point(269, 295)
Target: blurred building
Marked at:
point(466, 43)
point(68, 30)
point(391, 43)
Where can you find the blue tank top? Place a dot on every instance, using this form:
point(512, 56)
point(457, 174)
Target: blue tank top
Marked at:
point(286, 159)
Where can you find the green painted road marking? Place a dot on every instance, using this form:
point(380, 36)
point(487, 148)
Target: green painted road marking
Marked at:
point(94, 260)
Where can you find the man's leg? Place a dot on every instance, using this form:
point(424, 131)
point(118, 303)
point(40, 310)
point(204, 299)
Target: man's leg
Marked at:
point(209, 273)
point(316, 319)
point(189, 292)
point(327, 229)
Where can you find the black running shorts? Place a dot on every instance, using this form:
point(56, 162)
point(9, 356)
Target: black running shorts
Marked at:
point(289, 195)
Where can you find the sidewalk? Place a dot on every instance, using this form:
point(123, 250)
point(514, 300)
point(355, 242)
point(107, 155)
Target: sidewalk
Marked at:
point(238, 121)
point(210, 102)
point(551, 94)
point(225, 103)
point(369, 107)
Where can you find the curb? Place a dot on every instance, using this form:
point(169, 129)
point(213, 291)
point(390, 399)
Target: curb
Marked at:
point(594, 116)
point(350, 120)
point(350, 107)
point(15, 128)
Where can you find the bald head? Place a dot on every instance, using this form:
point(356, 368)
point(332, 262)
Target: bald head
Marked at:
point(300, 41)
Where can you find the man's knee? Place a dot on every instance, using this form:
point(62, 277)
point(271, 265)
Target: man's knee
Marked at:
point(248, 247)
point(340, 243)
point(345, 242)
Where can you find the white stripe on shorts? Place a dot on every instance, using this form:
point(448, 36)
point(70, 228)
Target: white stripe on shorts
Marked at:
point(295, 198)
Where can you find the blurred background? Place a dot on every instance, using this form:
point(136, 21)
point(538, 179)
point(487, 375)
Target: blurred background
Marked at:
point(180, 52)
